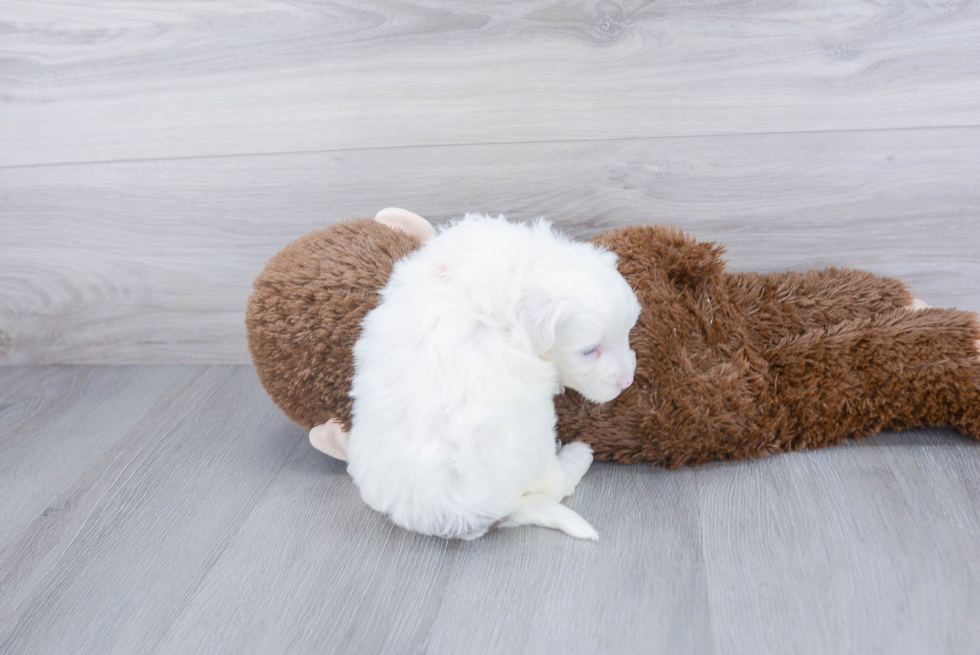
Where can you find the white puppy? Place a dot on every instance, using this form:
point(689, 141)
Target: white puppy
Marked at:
point(456, 370)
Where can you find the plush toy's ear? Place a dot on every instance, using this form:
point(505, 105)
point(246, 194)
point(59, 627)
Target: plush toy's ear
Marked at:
point(539, 313)
point(330, 439)
point(406, 221)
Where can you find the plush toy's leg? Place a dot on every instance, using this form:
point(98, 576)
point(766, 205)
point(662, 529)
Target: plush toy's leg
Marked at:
point(777, 305)
point(898, 370)
point(330, 439)
point(406, 221)
point(918, 305)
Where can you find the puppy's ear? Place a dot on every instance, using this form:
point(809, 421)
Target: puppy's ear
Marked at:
point(539, 313)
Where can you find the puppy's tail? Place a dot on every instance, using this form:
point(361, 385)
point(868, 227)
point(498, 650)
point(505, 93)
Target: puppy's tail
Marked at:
point(547, 512)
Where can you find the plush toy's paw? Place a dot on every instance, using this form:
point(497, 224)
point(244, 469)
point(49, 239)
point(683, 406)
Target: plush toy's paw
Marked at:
point(330, 439)
point(575, 458)
point(406, 221)
point(918, 304)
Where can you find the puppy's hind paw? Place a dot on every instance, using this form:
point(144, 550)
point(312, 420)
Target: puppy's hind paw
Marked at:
point(575, 458)
point(576, 526)
point(535, 509)
point(918, 304)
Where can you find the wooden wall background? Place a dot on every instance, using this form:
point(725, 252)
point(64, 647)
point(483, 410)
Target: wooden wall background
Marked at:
point(154, 154)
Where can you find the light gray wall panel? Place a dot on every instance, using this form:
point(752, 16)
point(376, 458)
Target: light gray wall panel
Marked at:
point(154, 79)
point(153, 261)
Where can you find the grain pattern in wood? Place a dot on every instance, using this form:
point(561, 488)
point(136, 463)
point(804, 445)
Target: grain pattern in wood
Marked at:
point(840, 550)
point(641, 588)
point(157, 79)
point(211, 526)
point(339, 576)
point(138, 530)
point(59, 421)
point(153, 261)
point(954, 473)
point(11, 378)
point(356, 585)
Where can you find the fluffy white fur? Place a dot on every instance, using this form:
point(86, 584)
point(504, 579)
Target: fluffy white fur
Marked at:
point(453, 427)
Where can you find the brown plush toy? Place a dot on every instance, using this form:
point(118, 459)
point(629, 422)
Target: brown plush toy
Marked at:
point(728, 365)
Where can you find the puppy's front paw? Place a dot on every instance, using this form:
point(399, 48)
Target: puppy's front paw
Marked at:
point(575, 458)
point(918, 304)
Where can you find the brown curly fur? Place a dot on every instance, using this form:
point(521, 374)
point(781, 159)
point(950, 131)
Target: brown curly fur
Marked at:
point(305, 315)
point(729, 365)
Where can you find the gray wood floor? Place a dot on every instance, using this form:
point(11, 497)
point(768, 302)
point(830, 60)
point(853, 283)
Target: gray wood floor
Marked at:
point(175, 510)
